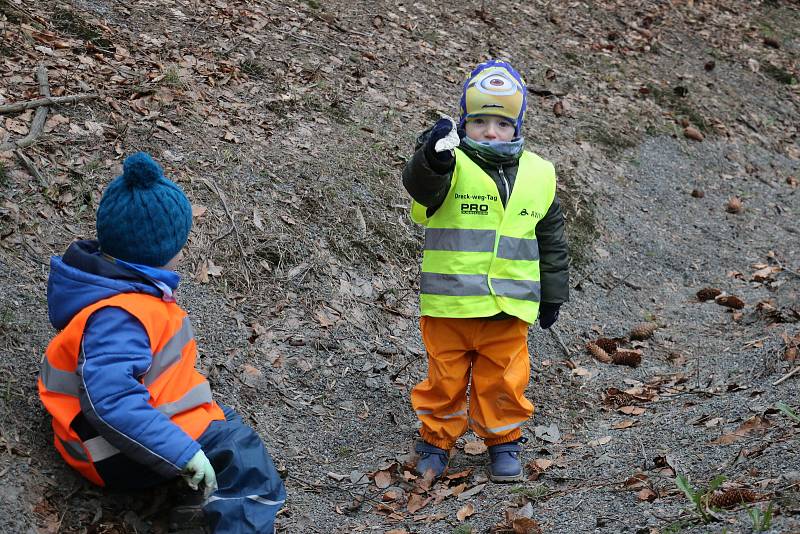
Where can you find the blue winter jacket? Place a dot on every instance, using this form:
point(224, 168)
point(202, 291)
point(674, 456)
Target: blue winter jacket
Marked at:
point(116, 354)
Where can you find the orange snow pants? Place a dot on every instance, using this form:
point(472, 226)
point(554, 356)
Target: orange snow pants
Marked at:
point(495, 354)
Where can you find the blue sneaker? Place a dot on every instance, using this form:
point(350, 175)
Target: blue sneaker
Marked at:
point(505, 465)
point(432, 458)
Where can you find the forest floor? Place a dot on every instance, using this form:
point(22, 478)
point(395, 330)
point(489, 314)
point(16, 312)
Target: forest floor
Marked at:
point(673, 127)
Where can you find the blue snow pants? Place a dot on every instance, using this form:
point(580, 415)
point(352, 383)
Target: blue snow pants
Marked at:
point(250, 490)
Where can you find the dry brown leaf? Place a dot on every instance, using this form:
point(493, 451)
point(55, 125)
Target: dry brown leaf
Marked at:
point(581, 371)
point(417, 502)
point(201, 274)
point(475, 447)
point(465, 511)
point(383, 479)
point(471, 492)
point(258, 222)
point(625, 423)
point(392, 495)
point(525, 525)
point(460, 474)
point(647, 494)
point(631, 410)
point(637, 481)
point(542, 463)
point(250, 375)
point(213, 270)
point(754, 423)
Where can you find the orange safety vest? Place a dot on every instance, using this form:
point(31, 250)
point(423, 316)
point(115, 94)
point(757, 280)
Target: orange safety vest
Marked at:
point(176, 388)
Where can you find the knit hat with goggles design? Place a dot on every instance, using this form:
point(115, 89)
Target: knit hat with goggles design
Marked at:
point(494, 88)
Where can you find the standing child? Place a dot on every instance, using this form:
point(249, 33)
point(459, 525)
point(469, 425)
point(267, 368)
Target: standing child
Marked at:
point(495, 259)
point(129, 409)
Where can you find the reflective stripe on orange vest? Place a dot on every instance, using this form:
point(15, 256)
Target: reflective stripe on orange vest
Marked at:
point(176, 389)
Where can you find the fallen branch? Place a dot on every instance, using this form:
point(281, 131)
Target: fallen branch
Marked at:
point(787, 376)
point(47, 101)
point(38, 119)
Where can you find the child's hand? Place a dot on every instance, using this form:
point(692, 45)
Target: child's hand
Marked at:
point(443, 138)
point(200, 469)
point(548, 314)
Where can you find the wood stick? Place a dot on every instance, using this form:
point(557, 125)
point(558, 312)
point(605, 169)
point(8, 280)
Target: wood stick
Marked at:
point(48, 101)
point(41, 112)
point(558, 338)
point(787, 376)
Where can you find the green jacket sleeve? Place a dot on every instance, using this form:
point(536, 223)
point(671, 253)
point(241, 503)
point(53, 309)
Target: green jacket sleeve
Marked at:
point(553, 255)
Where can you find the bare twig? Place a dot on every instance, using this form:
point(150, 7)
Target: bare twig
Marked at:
point(47, 101)
point(555, 334)
point(787, 376)
point(414, 358)
point(215, 189)
point(31, 167)
point(304, 40)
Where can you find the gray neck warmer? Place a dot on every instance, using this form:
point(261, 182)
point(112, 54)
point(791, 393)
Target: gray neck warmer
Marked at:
point(496, 151)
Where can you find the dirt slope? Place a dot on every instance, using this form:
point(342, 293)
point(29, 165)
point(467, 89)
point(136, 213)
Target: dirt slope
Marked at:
point(288, 123)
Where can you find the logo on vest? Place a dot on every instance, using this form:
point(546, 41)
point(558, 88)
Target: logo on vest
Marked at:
point(474, 209)
point(526, 213)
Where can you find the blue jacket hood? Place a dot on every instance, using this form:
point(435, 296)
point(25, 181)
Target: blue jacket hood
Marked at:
point(82, 276)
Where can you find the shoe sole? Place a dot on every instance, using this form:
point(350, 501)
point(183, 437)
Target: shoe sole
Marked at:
point(505, 478)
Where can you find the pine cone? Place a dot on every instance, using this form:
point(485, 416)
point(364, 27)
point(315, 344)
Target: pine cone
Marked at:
point(598, 353)
point(708, 293)
point(731, 497)
point(643, 331)
point(730, 301)
point(630, 358)
point(608, 345)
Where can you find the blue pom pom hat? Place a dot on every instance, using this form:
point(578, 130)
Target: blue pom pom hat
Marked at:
point(143, 217)
point(495, 88)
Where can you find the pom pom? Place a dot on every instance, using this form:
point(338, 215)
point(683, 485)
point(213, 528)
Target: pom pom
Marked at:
point(141, 171)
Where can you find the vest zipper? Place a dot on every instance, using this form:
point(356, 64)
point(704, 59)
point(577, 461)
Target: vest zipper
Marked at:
point(505, 182)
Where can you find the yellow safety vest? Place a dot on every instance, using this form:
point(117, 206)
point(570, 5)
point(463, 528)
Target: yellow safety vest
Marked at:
point(481, 258)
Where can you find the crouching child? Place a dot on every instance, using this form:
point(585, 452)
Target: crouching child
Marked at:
point(128, 408)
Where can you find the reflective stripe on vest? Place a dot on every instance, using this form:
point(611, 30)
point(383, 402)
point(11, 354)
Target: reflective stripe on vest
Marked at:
point(69, 383)
point(176, 389)
point(170, 354)
point(481, 257)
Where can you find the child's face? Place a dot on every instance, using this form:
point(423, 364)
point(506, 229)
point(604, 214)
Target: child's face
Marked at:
point(489, 128)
